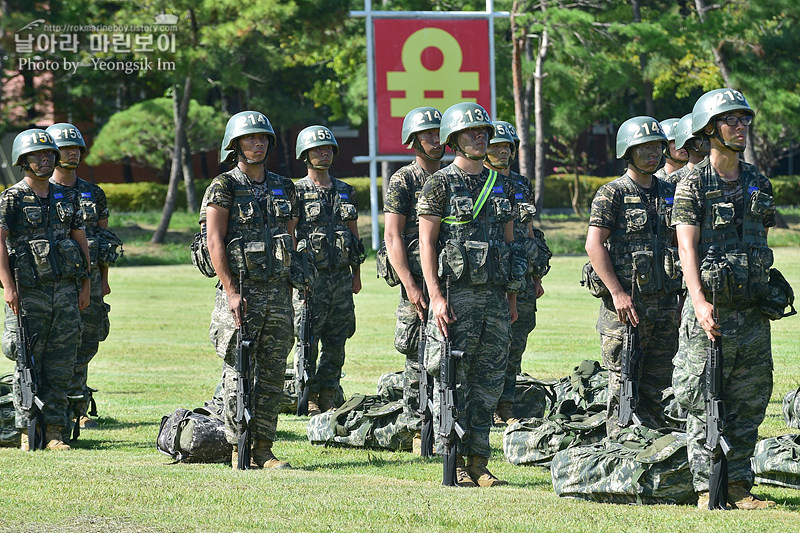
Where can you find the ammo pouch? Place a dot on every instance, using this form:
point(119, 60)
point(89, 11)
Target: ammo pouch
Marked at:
point(342, 245)
point(252, 258)
point(722, 215)
point(357, 253)
point(282, 247)
point(452, 260)
point(502, 209)
point(672, 269)
point(414, 261)
point(201, 258)
point(477, 253)
point(728, 278)
point(646, 274)
point(108, 242)
point(635, 220)
point(42, 263)
point(760, 204)
point(71, 260)
point(538, 256)
point(592, 281)
point(777, 297)
point(760, 259)
point(302, 273)
point(525, 212)
point(385, 269)
point(317, 245)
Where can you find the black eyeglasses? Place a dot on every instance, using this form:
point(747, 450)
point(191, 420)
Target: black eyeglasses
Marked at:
point(733, 120)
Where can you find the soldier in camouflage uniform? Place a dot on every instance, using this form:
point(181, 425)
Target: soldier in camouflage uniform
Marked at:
point(674, 158)
point(327, 229)
point(629, 233)
point(465, 211)
point(727, 203)
point(44, 243)
point(499, 156)
point(401, 234)
point(95, 217)
point(245, 214)
point(696, 147)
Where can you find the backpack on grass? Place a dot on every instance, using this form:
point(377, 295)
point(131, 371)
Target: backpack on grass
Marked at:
point(9, 433)
point(194, 437)
point(791, 408)
point(776, 461)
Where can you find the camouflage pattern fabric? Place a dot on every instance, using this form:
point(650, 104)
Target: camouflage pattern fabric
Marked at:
point(196, 436)
point(405, 187)
point(747, 386)
point(333, 321)
point(658, 336)
point(642, 471)
point(533, 398)
point(673, 176)
point(586, 387)
point(406, 341)
point(390, 386)
point(534, 441)
point(520, 329)
point(9, 433)
point(775, 461)
point(363, 422)
point(482, 331)
point(791, 408)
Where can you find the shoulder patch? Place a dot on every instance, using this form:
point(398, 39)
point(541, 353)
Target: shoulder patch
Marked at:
point(86, 194)
point(58, 195)
point(498, 189)
point(751, 190)
point(344, 195)
point(278, 192)
point(670, 200)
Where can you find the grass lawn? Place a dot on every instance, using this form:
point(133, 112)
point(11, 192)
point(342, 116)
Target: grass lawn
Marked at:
point(158, 357)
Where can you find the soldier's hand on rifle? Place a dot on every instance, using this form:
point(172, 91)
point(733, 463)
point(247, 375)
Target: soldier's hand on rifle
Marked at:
point(237, 304)
point(417, 298)
point(12, 298)
point(443, 314)
point(623, 303)
point(704, 312)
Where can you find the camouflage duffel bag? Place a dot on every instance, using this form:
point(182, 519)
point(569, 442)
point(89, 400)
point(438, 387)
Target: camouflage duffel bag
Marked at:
point(776, 461)
point(390, 386)
point(533, 398)
point(363, 422)
point(534, 441)
point(791, 408)
point(645, 470)
point(194, 437)
point(587, 386)
point(288, 400)
point(9, 434)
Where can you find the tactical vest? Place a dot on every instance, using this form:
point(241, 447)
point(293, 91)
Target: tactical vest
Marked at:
point(633, 242)
point(85, 192)
point(536, 249)
point(322, 228)
point(747, 259)
point(475, 246)
point(39, 241)
point(257, 242)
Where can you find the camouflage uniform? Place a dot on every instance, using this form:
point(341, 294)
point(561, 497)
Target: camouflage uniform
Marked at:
point(482, 329)
point(405, 187)
point(95, 316)
point(257, 213)
point(50, 300)
point(673, 176)
point(538, 256)
point(640, 232)
point(745, 332)
point(322, 230)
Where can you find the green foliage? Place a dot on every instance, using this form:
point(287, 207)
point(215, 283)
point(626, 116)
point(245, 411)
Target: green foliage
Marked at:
point(144, 196)
point(145, 133)
point(786, 190)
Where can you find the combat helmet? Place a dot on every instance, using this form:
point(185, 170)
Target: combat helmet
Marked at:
point(311, 137)
point(420, 119)
point(505, 132)
point(636, 131)
point(715, 103)
point(29, 141)
point(65, 135)
point(668, 126)
point(460, 117)
point(683, 131)
point(241, 124)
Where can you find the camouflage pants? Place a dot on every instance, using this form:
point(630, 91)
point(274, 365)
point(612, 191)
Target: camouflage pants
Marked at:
point(746, 389)
point(333, 321)
point(268, 323)
point(520, 329)
point(658, 336)
point(406, 341)
point(482, 331)
point(54, 318)
point(95, 330)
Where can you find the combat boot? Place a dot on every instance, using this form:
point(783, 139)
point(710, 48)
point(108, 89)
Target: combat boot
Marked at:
point(740, 497)
point(462, 477)
point(327, 400)
point(313, 405)
point(503, 414)
point(262, 456)
point(88, 423)
point(235, 459)
point(24, 445)
point(478, 471)
point(54, 438)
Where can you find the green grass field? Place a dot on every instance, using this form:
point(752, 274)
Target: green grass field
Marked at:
point(158, 357)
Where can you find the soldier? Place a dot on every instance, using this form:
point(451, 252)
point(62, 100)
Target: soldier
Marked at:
point(629, 232)
point(465, 208)
point(246, 212)
point(102, 252)
point(696, 147)
point(328, 230)
point(44, 245)
point(401, 233)
point(676, 158)
point(499, 155)
point(728, 203)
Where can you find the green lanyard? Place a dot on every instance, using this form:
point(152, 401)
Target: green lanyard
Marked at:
point(485, 192)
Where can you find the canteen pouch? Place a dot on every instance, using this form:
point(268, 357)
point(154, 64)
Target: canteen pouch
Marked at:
point(384, 267)
point(40, 252)
point(235, 254)
point(721, 215)
point(501, 263)
point(282, 245)
point(343, 242)
point(71, 259)
point(477, 256)
point(739, 276)
point(777, 297)
point(592, 281)
point(452, 260)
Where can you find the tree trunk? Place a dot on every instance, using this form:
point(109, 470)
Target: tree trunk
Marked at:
point(647, 87)
point(180, 109)
point(188, 174)
point(522, 95)
point(538, 78)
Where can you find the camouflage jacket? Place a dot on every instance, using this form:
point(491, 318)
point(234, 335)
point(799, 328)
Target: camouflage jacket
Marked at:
point(95, 208)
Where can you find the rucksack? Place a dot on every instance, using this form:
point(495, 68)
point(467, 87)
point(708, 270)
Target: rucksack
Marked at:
point(587, 386)
point(363, 421)
point(194, 437)
point(390, 386)
point(533, 398)
point(648, 467)
point(9, 433)
point(288, 400)
point(776, 461)
point(534, 441)
point(791, 408)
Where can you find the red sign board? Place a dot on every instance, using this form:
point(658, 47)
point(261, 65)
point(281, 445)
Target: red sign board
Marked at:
point(434, 63)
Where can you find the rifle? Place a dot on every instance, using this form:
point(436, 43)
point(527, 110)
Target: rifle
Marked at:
point(244, 383)
point(28, 378)
point(305, 366)
point(716, 442)
point(449, 429)
point(631, 359)
point(425, 408)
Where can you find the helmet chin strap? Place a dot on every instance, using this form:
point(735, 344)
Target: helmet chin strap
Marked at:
point(417, 146)
point(456, 148)
point(308, 163)
point(237, 149)
point(27, 168)
point(680, 161)
point(498, 165)
point(735, 147)
point(68, 166)
point(631, 163)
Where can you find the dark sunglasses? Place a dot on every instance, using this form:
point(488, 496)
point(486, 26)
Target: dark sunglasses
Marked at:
point(733, 120)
